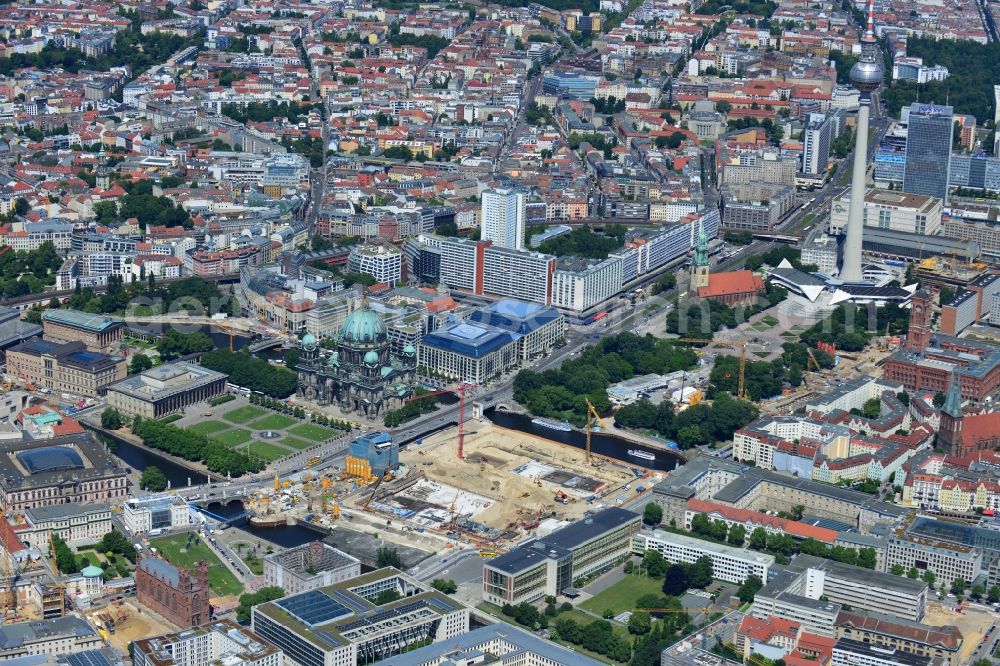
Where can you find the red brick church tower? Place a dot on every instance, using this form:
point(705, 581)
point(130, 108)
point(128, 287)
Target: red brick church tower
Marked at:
point(918, 336)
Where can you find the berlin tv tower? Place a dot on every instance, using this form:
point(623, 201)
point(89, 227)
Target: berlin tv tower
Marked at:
point(866, 75)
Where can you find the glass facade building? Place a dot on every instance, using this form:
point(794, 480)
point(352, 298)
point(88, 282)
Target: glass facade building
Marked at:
point(928, 150)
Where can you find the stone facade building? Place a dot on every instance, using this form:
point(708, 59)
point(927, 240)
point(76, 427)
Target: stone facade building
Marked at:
point(99, 332)
point(362, 374)
point(179, 595)
point(65, 367)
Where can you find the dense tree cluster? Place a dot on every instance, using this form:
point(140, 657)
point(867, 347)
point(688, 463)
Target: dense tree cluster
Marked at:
point(772, 129)
point(969, 86)
point(217, 457)
point(261, 112)
point(111, 419)
point(595, 139)
point(153, 480)
point(388, 557)
point(850, 327)
point(174, 344)
point(776, 255)
point(132, 48)
point(704, 423)
point(702, 319)
point(598, 636)
point(411, 410)
point(783, 546)
point(193, 295)
point(23, 273)
point(756, 7)
point(583, 242)
point(843, 62)
point(118, 543)
point(445, 585)
point(148, 209)
point(251, 599)
point(608, 105)
point(765, 379)
point(750, 587)
point(251, 372)
point(537, 115)
point(64, 557)
point(430, 42)
point(561, 392)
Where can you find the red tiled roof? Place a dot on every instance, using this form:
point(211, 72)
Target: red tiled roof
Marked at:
point(733, 282)
point(793, 528)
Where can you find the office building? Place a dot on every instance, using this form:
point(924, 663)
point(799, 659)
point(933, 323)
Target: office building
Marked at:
point(928, 150)
point(179, 595)
point(502, 218)
point(58, 636)
point(975, 172)
point(821, 250)
point(13, 330)
point(895, 633)
point(72, 469)
point(906, 68)
point(890, 209)
point(580, 284)
point(549, 565)
point(382, 262)
point(221, 643)
point(76, 524)
point(755, 206)
point(468, 351)
point(164, 389)
point(816, 138)
point(309, 567)
point(99, 333)
point(848, 652)
point(65, 367)
point(159, 511)
point(535, 327)
point(728, 563)
point(344, 624)
point(498, 644)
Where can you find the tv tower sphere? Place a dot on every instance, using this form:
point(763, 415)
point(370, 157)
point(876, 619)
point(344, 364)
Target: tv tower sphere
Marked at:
point(866, 75)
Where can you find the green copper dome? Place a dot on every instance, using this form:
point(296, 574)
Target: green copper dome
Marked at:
point(409, 349)
point(371, 358)
point(309, 341)
point(363, 326)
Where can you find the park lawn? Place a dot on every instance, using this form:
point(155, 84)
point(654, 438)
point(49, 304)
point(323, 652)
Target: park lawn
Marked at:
point(173, 548)
point(621, 596)
point(208, 427)
point(243, 414)
point(770, 321)
point(293, 443)
point(312, 431)
point(265, 451)
point(273, 422)
point(233, 437)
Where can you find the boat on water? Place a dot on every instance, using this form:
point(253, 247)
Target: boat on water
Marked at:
point(259, 521)
point(645, 455)
point(552, 425)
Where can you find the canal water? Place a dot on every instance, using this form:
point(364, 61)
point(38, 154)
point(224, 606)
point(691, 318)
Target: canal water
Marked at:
point(287, 536)
point(610, 446)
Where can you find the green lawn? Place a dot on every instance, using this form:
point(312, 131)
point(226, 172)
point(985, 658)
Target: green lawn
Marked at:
point(208, 427)
point(273, 422)
point(265, 450)
point(621, 596)
point(244, 414)
point(770, 321)
point(312, 431)
point(233, 437)
point(174, 550)
point(293, 443)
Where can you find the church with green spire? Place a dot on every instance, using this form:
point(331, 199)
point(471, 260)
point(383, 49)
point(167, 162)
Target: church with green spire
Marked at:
point(699, 268)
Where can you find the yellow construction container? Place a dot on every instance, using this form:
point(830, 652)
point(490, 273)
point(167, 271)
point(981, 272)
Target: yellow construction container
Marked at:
point(359, 467)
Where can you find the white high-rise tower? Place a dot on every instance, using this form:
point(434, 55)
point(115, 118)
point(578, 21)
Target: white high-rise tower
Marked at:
point(503, 218)
point(867, 76)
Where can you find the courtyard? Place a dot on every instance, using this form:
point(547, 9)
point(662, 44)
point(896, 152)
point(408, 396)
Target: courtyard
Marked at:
point(256, 431)
point(182, 552)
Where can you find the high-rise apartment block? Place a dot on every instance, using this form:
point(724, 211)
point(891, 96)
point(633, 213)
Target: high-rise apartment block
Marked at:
point(928, 149)
point(503, 218)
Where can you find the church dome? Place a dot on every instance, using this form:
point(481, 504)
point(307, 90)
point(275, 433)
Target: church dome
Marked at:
point(363, 327)
point(371, 358)
point(309, 341)
point(385, 371)
point(409, 350)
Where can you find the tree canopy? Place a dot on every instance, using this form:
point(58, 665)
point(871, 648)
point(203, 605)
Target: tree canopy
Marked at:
point(562, 392)
point(217, 457)
point(702, 424)
point(583, 242)
point(251, 372)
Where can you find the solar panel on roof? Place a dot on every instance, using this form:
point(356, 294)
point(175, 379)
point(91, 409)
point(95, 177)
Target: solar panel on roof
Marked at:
point(88, 658)
point(313, 607)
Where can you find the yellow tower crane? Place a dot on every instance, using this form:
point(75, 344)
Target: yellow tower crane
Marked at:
point(592, 418)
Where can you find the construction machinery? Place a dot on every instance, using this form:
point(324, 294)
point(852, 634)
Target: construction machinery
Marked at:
point(378, 483)
point(460, 389)
point(592, 418)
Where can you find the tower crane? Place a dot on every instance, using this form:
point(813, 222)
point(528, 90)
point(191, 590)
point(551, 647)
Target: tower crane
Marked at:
point(592, 418)
point(460, 390)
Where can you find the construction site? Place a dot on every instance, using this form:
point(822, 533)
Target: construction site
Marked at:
point(122, 622)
